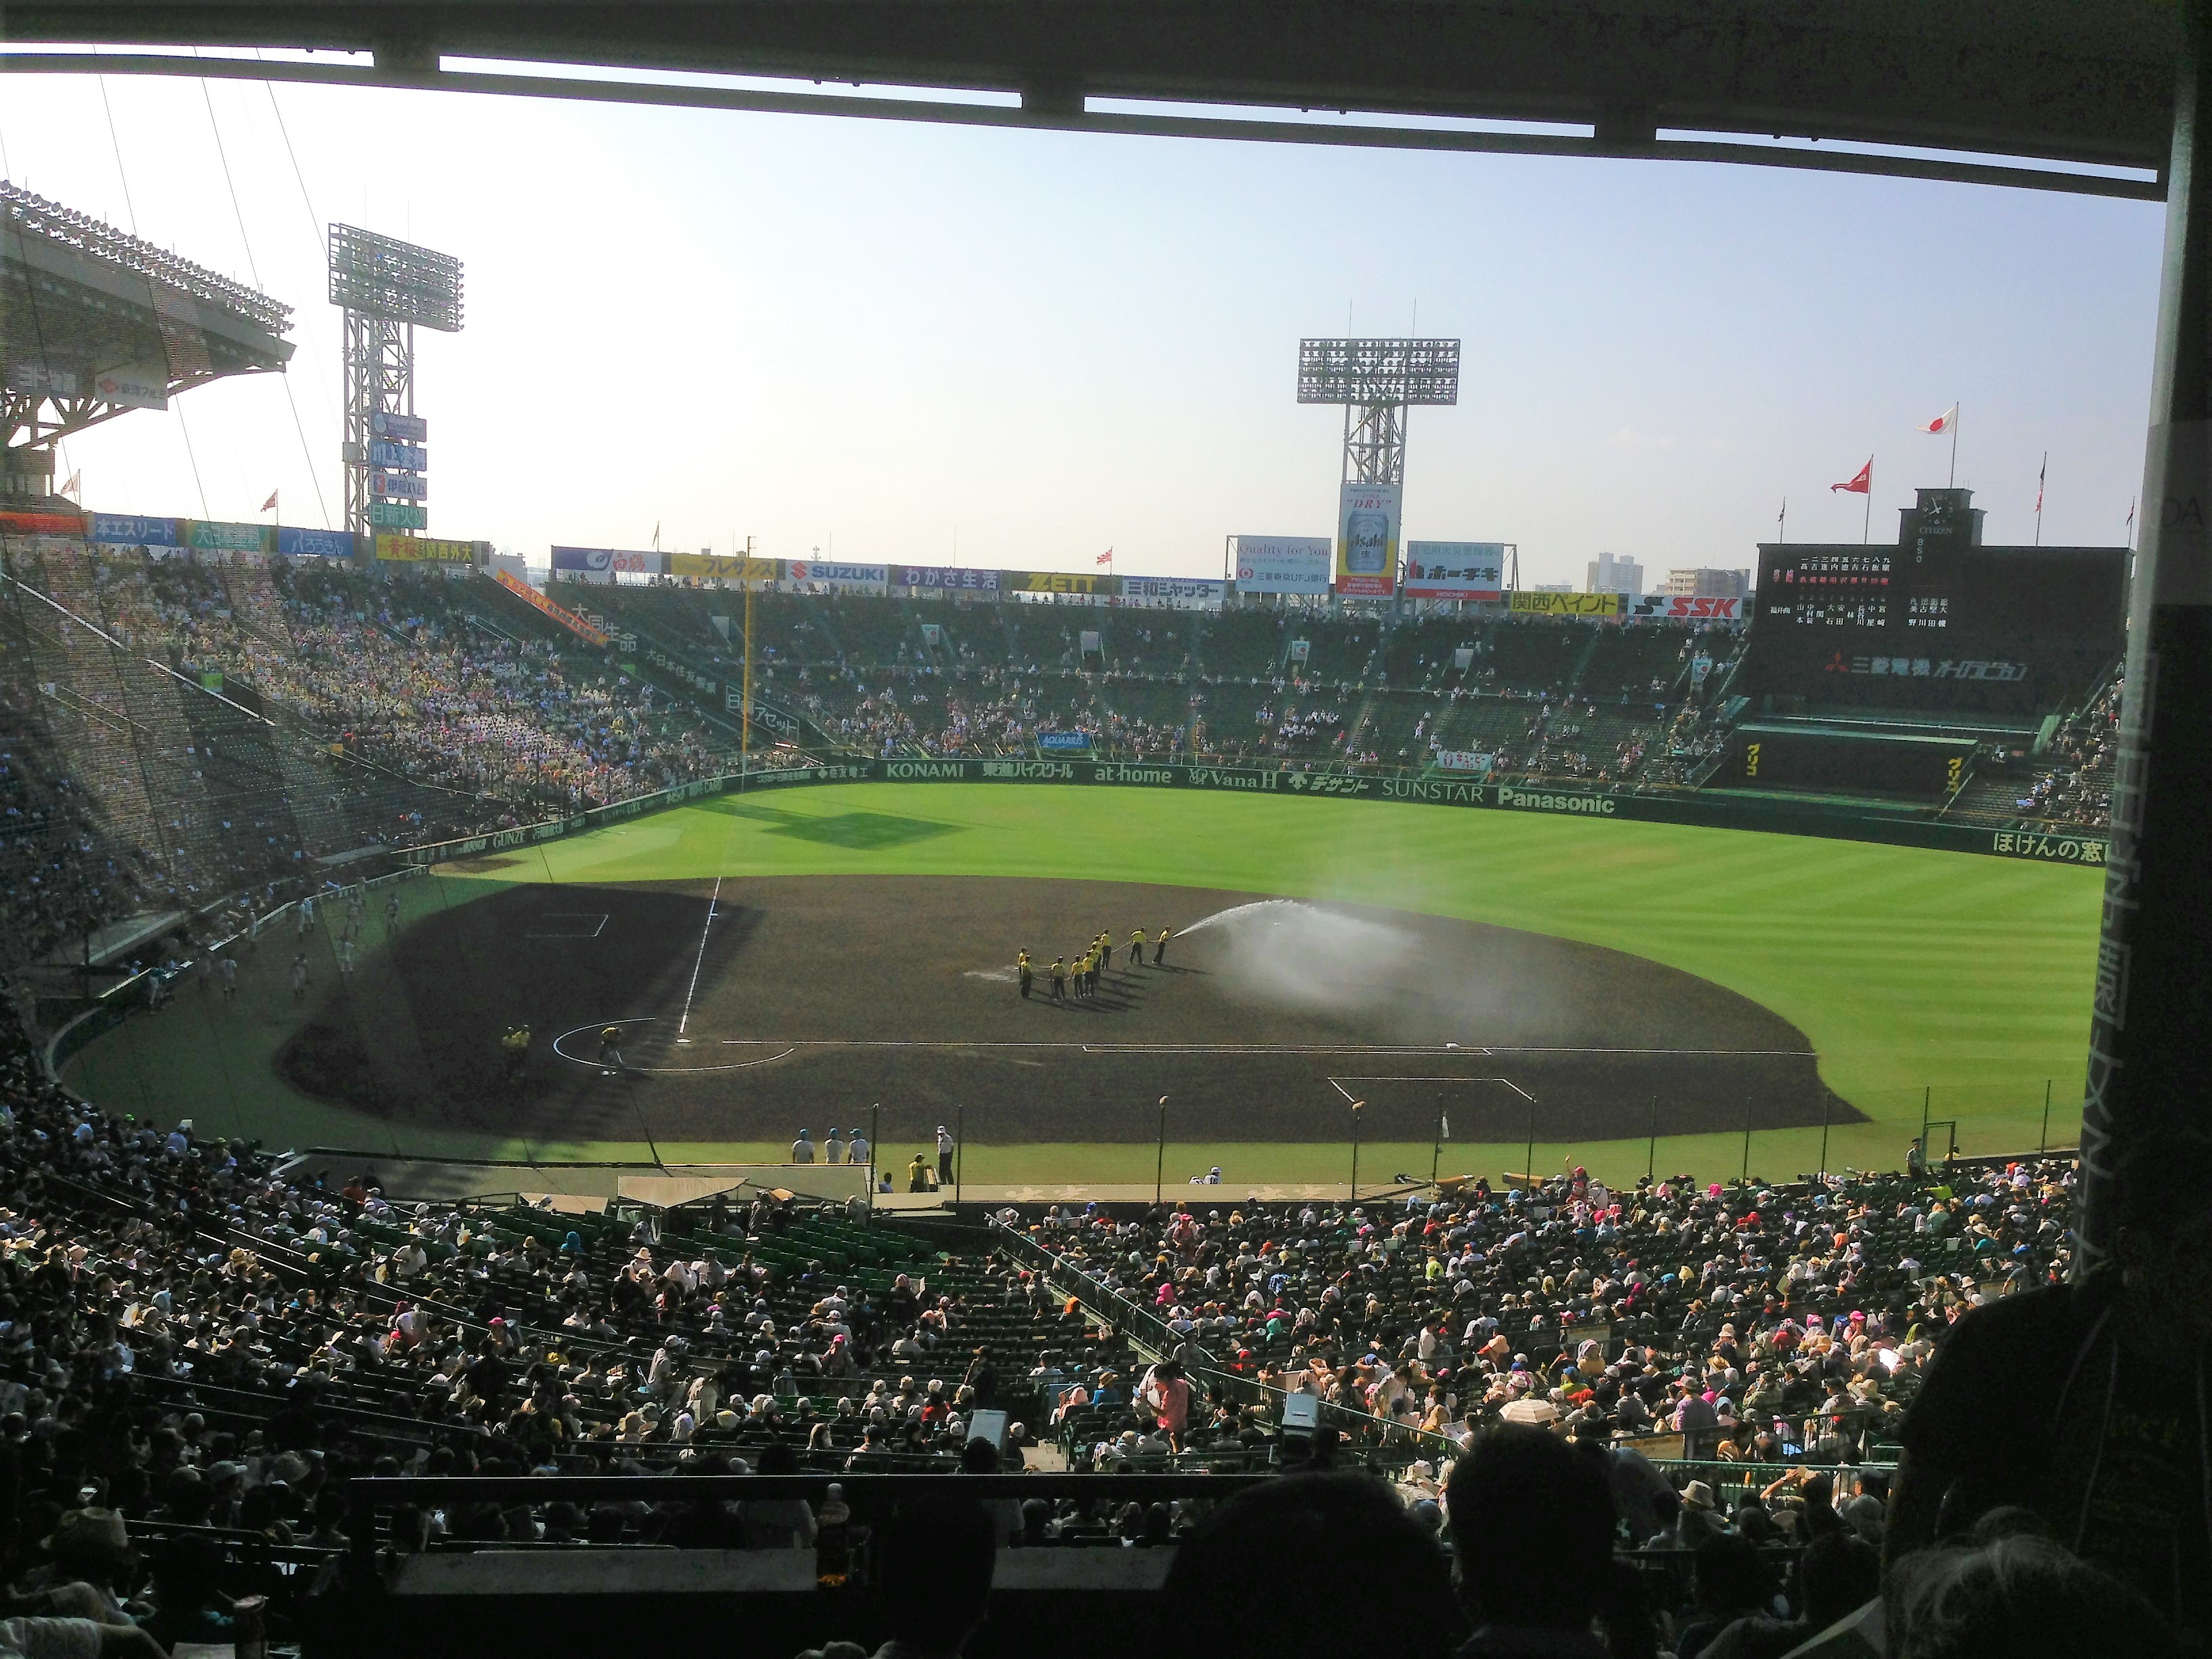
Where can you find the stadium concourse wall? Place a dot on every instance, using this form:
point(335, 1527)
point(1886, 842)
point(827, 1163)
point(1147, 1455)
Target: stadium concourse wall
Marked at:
point(1781, 816)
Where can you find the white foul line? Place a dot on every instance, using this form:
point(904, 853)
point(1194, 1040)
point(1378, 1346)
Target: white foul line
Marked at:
point(712, 901)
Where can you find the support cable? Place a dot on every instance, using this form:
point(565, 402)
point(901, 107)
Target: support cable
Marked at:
point(253, 269)
point(131, 209)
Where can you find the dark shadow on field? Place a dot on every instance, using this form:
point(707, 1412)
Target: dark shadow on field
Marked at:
point(859, 831)
point(818, 997)
point(418, 1039)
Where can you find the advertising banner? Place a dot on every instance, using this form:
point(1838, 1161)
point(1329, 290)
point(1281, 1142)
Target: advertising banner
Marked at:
point(314, 543)
point(205, 536)
point(848, 578)
point(1782, 816)
point(946, 577)
point(41, 524)
point(560, 613)
point(1456, 570)
point(1063, 740)
point(423, 550)
point(604, 564)
point(1283, 564)
point(412, 486)
point(138, 386)
point(120, 531)
point(1684, 607)
point(383, 452)
point(1367, 540)
point(725, 567)
point(1566, 605)
point(39, 378)
point(1056, 581)
point(1301, 650)
point(398, 515)
point(1462, 759)
point(1183, 592)
point(405, 428)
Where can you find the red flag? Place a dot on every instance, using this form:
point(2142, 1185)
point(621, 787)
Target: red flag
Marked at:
point(1107, 558)
point(1861, 484)
point(269, 506)
point(1942, 422)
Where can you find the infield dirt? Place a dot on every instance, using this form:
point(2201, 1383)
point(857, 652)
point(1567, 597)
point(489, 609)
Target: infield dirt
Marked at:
point(807, 1000)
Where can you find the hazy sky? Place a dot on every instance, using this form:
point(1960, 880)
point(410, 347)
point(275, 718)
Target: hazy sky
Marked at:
point(914, 343)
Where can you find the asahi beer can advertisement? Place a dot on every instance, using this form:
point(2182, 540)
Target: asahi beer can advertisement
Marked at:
point(1367, 540)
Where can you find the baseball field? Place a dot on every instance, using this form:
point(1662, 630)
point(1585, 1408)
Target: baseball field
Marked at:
point(701, 984)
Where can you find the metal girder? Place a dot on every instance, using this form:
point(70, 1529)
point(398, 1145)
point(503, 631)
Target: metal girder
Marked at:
point(2078, 83)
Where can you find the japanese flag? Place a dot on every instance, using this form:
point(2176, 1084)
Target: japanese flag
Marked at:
point(1942, 422)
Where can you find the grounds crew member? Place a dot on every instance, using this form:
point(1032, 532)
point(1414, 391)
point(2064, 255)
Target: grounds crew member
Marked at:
point(1025, 972)
point(1059, 974)
point(1137, 948)
point(1105, 942)
point(392, 910)
point(610, 1060)
point(833, 1150)
point(514, 1047)
point(917, 1174)
point(802, 1150)
point(944, 1156)
point(299, 976)
point(1160, 948)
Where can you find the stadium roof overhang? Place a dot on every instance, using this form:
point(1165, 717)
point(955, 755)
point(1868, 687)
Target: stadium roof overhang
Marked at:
point(2064, 94)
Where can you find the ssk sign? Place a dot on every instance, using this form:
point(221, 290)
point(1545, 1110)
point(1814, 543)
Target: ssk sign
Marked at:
point(1687, 607)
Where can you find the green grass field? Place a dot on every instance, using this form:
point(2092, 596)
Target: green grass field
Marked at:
point(1957, 979)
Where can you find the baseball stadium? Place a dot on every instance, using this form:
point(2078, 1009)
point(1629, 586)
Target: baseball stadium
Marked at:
point(1278, 1090)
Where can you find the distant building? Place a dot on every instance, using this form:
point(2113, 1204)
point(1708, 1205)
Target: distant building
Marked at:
point(1552, 587)
point(1611, 574)
point(1711, 584)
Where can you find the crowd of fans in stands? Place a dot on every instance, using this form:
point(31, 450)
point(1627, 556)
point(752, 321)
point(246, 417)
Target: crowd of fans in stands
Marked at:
point(196, 1351)
point(2075, 786)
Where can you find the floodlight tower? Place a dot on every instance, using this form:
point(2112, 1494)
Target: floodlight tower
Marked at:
point(386, 287)
point(1378, 382)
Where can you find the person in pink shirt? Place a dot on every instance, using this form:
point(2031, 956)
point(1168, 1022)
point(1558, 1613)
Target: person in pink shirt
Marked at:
point(1168, 1393)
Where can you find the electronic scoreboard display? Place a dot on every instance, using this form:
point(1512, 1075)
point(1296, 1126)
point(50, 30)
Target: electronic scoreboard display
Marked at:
point(1938, 622)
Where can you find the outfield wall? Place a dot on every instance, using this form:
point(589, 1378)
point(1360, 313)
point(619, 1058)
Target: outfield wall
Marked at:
point(1786, 818)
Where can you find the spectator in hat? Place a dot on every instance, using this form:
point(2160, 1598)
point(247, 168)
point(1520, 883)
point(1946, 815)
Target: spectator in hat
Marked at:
point(89, 1569)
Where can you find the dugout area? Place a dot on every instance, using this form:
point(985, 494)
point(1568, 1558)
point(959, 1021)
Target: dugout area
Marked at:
point(808, 999)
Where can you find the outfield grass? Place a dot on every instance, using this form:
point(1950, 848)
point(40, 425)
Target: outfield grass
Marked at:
point(1918, 975)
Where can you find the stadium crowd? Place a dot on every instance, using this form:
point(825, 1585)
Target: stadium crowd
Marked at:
point(198, 1349)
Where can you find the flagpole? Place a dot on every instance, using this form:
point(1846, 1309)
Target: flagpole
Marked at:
point(1866, 525)
point(1783, 519)
point(2040, 473)
point(1957, 410)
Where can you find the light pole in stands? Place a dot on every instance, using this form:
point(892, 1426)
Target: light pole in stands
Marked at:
point(959, 1148)
point(1160, 1162)
point(1436, 1149)
point(1358, 1106)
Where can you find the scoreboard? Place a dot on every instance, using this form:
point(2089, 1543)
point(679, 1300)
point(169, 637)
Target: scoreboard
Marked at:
point(1939, 623)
